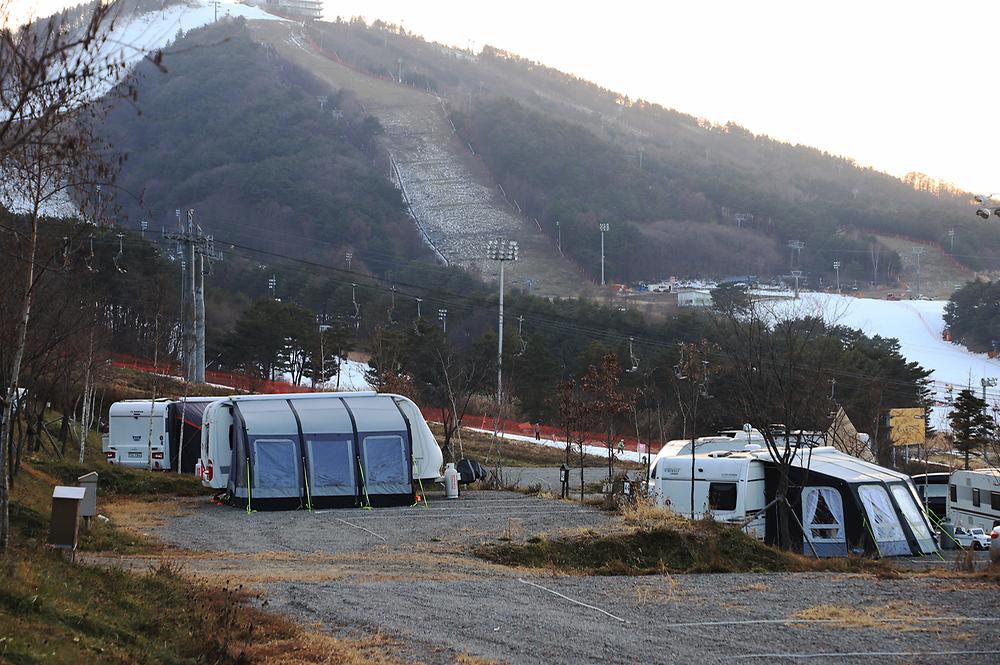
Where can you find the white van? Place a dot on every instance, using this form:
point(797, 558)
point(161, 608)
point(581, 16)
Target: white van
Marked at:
point(137, 434)
point(974, 498)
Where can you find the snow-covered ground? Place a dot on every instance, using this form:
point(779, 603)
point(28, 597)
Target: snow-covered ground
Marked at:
point(599, 451)
point(918, 325)
point(352, 377)
point(136, 36)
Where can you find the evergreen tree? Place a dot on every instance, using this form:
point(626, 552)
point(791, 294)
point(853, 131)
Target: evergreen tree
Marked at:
point(971, 426)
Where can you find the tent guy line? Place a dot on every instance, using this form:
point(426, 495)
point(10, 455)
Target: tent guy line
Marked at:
point(575, 602)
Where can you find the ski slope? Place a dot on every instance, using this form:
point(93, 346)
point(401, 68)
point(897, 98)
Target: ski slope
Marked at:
point(134, 37)
point(918, 325)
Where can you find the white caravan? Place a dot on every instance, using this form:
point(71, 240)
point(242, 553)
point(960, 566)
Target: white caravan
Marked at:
point(217, 439)
point(974, 498)
point(729, 486)
point(138, 434)
point(841, 504)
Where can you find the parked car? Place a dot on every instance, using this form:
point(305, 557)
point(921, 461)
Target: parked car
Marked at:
point(976, 538)
point(995, 544)
point(891, 296)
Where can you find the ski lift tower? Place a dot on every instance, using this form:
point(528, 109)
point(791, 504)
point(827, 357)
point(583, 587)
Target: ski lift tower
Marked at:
point(199, 247)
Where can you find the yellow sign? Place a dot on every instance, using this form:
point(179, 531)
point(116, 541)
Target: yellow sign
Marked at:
point(906, 426)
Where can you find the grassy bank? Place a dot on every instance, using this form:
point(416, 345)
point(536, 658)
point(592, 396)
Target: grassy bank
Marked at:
point(56, 611)
point(651, 541)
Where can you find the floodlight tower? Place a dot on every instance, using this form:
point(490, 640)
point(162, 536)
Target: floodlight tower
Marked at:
point(443, 315)
point(501, 251)
point(917, 252)
point(836, 266)
point(796, 274)
point(605, 227)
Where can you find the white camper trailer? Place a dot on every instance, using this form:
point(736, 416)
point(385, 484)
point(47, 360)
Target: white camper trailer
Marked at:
point(841, 504)
point(327, 427)
point(137, 434)
point(974, 498)
point(728, 486)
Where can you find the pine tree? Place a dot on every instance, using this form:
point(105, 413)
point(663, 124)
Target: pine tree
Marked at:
point(971, 426)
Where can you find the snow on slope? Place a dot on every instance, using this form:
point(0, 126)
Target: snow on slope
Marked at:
point(918, 325)
point(136, 36)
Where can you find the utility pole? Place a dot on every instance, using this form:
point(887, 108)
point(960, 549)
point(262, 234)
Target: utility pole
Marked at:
point(216, 3)
point(836, 266)
point(605, 227)
point(559, 238)
point(193, 317)
point(917, 252)
point(951, 237)
point(501, 251)
point(987, 383)
point(794, 253)
point(796, 274)
point(419, 300)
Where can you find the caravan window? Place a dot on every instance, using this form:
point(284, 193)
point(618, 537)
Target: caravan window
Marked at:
point(953, 493)
point(995, 500)
point(722, 496)
point(975, 497)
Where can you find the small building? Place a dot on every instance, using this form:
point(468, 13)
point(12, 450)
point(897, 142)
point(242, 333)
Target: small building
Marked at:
point(298, 9)
point(694, 298)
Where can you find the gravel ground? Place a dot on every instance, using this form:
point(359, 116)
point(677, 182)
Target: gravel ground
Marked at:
point(406, 572)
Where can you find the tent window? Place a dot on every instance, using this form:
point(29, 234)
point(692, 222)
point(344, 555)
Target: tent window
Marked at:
point(722, 496)
point(385, 460)
point(331, 462)
point(908, 506)
point(275, 463)
point(953, 493)
point(882, 520)
point(975, 497)
point(823, 513)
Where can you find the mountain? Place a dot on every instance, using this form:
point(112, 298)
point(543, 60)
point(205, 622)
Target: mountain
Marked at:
point(685, 196)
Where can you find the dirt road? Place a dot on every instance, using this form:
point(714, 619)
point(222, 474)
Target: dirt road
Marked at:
point(407, 573)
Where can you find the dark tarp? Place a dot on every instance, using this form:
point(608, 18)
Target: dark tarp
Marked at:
point(184, 419)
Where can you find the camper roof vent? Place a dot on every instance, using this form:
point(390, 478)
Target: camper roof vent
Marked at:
point(720, 453)
point(752, 446)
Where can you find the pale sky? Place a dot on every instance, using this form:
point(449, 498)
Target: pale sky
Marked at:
point(900, 85)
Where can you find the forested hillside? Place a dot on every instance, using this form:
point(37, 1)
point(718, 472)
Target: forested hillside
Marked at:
point(240, 136)
point(570, 150)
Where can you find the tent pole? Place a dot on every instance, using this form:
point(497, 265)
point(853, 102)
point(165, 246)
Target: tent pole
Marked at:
point(364, 485)
point(804, 536)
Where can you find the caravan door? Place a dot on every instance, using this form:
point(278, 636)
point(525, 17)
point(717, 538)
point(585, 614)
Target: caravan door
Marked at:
point(823, 522)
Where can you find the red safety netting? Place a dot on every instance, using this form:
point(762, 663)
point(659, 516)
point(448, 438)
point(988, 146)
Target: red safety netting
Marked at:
point(240, 382)
point(544, 431)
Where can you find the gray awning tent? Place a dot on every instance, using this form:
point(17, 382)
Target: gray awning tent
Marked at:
point(320, 452)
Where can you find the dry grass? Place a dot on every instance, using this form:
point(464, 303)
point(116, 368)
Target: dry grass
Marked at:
point(900, 615)
point(466, 659)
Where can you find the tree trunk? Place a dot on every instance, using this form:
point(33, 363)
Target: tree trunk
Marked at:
point(15, 376)
point(581, 472)
point(781, 499)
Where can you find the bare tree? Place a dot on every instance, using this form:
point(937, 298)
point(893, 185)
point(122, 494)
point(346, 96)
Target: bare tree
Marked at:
point(780, 369)
point(49, 74)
